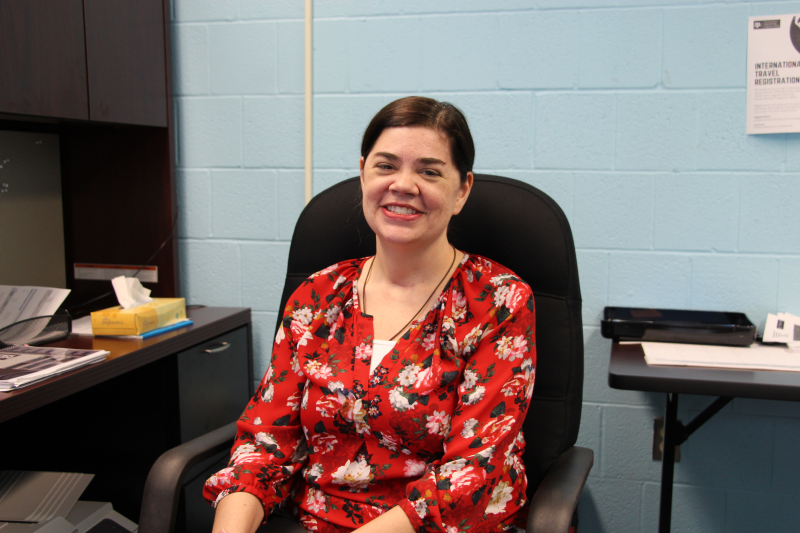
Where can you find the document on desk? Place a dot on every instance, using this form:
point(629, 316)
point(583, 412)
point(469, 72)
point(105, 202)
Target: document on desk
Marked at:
point(24, 365)
point(19, 303)
point(754, 357)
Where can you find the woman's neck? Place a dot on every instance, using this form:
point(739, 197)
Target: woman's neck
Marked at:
point(404, 267)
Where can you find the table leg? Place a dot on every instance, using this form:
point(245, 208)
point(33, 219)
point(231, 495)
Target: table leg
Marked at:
point(668, 462)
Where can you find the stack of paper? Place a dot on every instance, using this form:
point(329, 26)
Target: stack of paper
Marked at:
point(754, 357)
point(23, 365)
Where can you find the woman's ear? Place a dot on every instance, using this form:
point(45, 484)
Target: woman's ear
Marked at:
point(463, 193)
point(361, 169)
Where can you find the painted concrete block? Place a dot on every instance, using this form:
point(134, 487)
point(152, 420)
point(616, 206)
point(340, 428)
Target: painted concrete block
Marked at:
point(324, 179)
point(274, 9)
point(789, 285)
point(590, 433)
point(694, 509)
point(291, 57)
point(291, 200)
point(210, 132)
point(593, 273)
point(769, 214)
point(620, 48)
point(629, 225)
point(748, 511)
point(501, 126)
point(793, 151)
point(459, 52)
point(210, 273)
point(331, 57)
point(722, 142)
point(274, 131)
point(194, 203)
point(610, 505)
point(656, 131)
point(729, 451)
point(785, 460)
point(746, 284)
point(555, 184)
point(628, 443)
point(244, 204)
point(696, 212)
point(575, 131)
point(190, 60)
point(263, 274)
point(596, 355)
point(263, 339)
point(205, 10)
point(774, 8)
point(339, 124)
point(538, 50)
point(771, 408)
point(384, 54)
point(243, 58)
point(705, 47)
point(647, 279)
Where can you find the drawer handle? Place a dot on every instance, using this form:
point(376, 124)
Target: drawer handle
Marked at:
point(220, 348)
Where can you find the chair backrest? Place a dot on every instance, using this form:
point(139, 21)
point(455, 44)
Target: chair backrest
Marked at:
point(509, 222)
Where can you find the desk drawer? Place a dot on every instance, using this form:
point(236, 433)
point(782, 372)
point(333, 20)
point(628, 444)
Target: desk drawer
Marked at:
point(214, 383)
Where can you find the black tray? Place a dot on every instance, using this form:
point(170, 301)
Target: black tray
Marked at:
point(677, 325)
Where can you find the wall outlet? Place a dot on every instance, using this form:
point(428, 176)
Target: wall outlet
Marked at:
point(658, 440)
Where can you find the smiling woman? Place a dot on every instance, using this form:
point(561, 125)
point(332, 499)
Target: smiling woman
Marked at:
point(398, 383)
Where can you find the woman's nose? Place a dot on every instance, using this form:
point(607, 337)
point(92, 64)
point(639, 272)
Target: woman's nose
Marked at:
point(405, 182)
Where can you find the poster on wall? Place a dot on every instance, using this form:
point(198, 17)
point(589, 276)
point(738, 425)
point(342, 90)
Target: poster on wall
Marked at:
point(773, 74)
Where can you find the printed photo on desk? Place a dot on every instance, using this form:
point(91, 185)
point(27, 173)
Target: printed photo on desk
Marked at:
point(23, 365)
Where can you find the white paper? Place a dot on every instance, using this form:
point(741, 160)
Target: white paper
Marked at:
point(130, 292)
point(754, 357)
point(19, 303)
point(782, 327)
point(773, 74)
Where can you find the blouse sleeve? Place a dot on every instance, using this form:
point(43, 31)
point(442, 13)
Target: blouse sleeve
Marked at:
point(480, 478)
point(269, 445)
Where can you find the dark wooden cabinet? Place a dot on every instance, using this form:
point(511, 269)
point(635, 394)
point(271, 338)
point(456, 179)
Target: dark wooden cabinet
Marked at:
point(125, 52)
point(96, 72)
point(102, 60)
point(43, 58)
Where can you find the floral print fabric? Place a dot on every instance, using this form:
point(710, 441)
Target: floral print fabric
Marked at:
point(435, 429)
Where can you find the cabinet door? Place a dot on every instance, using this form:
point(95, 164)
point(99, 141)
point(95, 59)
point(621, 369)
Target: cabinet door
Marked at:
point(42, 58)
point(214, 383)
point(126, 59)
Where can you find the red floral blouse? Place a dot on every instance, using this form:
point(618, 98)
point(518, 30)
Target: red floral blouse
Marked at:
point(435, 429)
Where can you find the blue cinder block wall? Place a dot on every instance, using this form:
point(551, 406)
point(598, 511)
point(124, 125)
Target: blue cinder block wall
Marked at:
point(629, 113)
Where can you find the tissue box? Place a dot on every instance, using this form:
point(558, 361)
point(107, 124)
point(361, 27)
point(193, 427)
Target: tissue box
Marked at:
point(159, 313)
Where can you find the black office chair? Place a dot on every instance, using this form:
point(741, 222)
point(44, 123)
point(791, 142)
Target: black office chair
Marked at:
point(509, 222)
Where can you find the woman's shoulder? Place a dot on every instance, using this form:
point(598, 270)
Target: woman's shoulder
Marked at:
point(330, 280)
point(482, 272)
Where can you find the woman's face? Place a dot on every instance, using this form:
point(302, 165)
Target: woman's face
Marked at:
point(411, 187)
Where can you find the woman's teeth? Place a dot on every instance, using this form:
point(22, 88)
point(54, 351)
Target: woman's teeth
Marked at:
point(401, 210)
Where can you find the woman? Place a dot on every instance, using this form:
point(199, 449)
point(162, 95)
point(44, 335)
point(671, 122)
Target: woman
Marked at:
point(398, 383)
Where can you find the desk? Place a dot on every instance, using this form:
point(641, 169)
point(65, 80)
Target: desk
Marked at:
point(628, 370)
point(115, 418)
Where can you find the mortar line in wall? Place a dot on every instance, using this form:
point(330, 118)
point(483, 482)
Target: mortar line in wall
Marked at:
point(513, 90)
point(523, 11)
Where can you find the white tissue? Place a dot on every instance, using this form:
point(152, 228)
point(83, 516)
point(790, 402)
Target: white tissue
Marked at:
point(130, 292)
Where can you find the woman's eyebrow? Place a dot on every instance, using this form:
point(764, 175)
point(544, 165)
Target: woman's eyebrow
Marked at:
point(388, 155)
point(431, 161)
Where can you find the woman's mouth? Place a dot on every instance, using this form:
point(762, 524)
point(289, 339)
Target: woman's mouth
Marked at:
point(400, 210)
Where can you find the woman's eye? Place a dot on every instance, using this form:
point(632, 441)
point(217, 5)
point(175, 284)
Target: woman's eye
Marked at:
point(429, 172)
point(384, 166)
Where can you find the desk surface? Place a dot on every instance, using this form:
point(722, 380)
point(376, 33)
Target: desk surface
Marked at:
point(628, 370)
point(125, 355)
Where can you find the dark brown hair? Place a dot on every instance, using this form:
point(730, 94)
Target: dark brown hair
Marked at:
point(443, 117)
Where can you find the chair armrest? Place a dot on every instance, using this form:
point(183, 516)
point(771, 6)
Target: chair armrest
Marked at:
point(163, 486)
point(554, 502)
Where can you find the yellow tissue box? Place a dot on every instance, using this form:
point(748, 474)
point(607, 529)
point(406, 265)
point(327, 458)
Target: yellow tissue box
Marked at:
point(159, 313)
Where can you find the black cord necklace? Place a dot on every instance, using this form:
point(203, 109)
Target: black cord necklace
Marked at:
point(364, 296)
